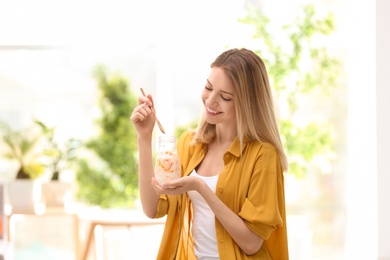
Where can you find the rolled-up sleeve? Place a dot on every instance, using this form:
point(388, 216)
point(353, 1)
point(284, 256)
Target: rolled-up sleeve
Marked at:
point(162, 206)
point(261, 209)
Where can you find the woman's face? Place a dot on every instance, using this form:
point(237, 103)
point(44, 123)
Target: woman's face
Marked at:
point(217, 97)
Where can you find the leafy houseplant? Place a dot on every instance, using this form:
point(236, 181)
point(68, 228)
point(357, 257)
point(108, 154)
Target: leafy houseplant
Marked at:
point(57, 193)
point(296, 70)
point(59, 156)
point(107, 176)
point(25, 148)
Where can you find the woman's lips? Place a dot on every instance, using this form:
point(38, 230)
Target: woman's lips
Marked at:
point(211, 111)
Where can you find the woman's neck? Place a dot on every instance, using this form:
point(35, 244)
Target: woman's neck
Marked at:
point(224, 135)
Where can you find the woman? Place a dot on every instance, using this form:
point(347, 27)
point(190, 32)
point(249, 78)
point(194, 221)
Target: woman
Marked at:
point(229, 203)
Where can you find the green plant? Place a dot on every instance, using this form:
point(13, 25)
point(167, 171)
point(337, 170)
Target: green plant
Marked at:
point(108, 176)
point(59, 156)
point(24, 146)
point(298, 68)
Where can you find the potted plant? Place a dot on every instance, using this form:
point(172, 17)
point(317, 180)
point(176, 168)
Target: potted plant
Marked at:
point(106, 171)
point(57, 191)
point(24, 148)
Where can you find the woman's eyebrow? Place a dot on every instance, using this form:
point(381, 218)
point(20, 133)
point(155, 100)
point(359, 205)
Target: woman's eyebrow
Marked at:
point(225, 92)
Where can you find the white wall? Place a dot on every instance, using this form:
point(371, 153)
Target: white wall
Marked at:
point(383, 125)
point(368, 227)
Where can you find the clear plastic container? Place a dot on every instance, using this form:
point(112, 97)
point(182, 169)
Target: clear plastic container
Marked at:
point(167, 161)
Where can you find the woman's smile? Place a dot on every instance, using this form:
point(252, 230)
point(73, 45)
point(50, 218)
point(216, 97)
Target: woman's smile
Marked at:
point(211, 111)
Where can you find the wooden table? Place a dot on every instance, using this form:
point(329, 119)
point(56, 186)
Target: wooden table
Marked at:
point(112, 218)
point(43, 211)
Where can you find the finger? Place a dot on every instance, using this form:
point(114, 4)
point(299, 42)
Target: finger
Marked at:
point(141, 112)
point(169, 185)
point(147, 100)
point(156, 186)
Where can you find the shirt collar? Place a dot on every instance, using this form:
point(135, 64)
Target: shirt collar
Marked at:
point(235, 148)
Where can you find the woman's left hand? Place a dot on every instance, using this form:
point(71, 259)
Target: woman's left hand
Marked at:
point(178, 186)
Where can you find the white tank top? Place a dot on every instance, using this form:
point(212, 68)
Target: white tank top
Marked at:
point(203, 223)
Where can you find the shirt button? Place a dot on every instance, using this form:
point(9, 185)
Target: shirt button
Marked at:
point(221, 241)
point(220, 190)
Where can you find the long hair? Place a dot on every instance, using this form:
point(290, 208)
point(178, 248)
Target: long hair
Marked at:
point(256, 119)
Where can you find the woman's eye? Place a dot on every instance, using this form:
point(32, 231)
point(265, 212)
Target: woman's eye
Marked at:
point(208, 88)
point(226, 99)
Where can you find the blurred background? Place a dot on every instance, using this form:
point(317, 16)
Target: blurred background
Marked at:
point(70, 73)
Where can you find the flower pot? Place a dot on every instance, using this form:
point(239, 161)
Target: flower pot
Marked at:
point(24, 195)
point(56, 193)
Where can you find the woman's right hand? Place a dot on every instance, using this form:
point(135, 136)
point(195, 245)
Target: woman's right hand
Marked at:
point(143, 120)
point(142, 116)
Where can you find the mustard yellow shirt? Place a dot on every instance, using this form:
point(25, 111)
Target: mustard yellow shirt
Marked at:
point(252, 186)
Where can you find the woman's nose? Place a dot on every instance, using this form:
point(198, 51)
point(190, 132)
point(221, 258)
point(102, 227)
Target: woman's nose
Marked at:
point(211, 99)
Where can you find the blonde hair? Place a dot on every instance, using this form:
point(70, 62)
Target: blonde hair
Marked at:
point(256, 119)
